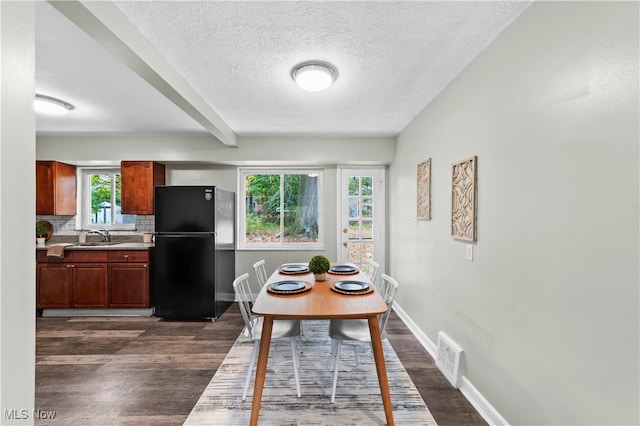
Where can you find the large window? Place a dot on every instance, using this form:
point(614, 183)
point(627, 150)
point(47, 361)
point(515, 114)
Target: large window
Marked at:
point(101, 201)
point(281, 209)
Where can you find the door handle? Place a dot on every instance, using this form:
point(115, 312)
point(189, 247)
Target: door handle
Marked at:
point(344, 244)
point(345, 230)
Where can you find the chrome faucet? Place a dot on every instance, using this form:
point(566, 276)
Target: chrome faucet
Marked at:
point(104, 233)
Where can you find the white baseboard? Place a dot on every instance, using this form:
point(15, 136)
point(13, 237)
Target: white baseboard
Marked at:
point(419, 334)
point(475, 398)
point(480, 403)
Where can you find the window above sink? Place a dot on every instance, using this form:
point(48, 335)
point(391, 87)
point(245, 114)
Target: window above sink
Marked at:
point(99, 206)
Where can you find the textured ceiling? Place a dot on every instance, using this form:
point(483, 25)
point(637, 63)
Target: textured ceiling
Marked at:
point(393, 58)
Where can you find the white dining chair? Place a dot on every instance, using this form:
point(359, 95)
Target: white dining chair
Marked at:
point(253, 324)
point(374, 268)
point(357, 330)
point(261, 272)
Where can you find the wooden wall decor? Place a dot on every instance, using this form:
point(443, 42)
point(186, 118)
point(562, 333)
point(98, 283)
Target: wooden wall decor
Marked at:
point(424, 190)
point(464, 199)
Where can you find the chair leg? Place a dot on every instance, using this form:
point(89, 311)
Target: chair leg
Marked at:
point(300, 336)
point(335, 371)
point(252, 362)
point(334, 343)
point(296, 363)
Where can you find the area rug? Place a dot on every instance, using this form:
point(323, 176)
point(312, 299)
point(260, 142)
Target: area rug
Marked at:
point(358, 400)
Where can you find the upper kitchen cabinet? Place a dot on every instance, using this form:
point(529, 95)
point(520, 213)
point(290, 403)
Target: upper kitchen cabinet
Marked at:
point(138, 180)
point(55, 188)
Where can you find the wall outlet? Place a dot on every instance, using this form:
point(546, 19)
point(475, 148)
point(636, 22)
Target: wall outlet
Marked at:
point(470, 252)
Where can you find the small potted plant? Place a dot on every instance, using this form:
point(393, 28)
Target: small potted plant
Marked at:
point(41, 232)
point(319, 265)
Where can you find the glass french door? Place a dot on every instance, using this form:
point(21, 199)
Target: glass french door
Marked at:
point(361, 236)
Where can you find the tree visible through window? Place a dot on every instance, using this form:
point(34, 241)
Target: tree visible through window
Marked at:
point(281, 208)
point(102, 208)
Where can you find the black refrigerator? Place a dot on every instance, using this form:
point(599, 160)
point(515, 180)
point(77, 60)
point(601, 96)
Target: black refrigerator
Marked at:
point(194, 254)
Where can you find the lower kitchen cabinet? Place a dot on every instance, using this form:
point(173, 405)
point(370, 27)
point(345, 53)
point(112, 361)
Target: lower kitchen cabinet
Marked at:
point(77, 281)
point(93, 279)
point(53, 286)
point(89, 286)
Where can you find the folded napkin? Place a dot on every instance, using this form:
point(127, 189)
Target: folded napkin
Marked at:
point(57, 250)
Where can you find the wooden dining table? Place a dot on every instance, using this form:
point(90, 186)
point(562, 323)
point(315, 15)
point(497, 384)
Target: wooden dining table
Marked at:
point(320, 302)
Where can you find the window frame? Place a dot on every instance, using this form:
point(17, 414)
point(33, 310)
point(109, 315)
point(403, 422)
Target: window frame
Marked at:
point(83, 219)
point(243, 172)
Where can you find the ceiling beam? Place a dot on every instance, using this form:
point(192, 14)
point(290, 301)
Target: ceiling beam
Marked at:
point(104, 22)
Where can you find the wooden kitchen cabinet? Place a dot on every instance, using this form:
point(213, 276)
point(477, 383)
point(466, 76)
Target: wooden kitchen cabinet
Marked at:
point(53, 286)
point(138, 181)
point(95, 279)
point(129, 279)
point(77, 281)
point(55, 188)
point(89, 285)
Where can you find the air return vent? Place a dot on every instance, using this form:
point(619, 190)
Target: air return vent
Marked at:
point(448, 360)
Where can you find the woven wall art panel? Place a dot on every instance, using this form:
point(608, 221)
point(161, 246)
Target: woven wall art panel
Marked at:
point(464, 199)
point(424, 190)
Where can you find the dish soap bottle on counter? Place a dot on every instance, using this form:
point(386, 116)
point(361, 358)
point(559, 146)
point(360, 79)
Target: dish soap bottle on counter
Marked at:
point(82, 237)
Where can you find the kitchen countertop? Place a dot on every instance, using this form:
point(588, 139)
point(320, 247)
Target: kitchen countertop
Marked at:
point(96, 245)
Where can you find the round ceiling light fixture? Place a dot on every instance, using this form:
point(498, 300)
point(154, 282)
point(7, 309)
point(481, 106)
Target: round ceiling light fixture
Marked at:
point(314, 76)
point(50, 105)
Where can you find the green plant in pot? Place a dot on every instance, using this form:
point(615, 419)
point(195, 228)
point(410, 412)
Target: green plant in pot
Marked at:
point(319, 265)
point(41, 232)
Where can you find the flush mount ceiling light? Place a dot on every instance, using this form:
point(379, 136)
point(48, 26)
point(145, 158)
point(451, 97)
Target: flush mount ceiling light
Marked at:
point(314, 76)
point(50, 105)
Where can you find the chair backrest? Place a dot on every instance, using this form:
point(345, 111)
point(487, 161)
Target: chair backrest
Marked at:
point(261, 272)
point(246, 299)
point(374, 267)
point(388, 290)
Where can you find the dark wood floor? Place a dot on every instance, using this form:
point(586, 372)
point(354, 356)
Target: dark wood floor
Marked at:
point(145, 371)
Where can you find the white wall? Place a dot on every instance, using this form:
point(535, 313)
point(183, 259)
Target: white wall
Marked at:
point(250, 151)
point(548, 311)
point(17, 213)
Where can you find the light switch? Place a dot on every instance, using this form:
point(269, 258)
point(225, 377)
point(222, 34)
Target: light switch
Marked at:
point(470, 252)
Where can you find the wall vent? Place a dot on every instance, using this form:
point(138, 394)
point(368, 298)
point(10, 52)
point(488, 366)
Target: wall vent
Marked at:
point(448, 360)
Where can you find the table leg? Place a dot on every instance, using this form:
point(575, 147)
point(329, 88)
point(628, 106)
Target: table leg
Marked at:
point(261, 369)
point(381, 368)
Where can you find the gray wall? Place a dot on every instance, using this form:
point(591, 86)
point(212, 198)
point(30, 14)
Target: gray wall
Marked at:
point(547, 313)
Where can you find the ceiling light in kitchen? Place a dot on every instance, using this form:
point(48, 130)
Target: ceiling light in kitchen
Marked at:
point(314, 76)
point(50, 105)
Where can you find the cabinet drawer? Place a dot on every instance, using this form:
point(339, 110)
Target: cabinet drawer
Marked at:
point(88, 256)
point(41, 257)
point(129, 256)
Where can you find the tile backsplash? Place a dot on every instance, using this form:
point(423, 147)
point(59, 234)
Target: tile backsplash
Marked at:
point(66, 225)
